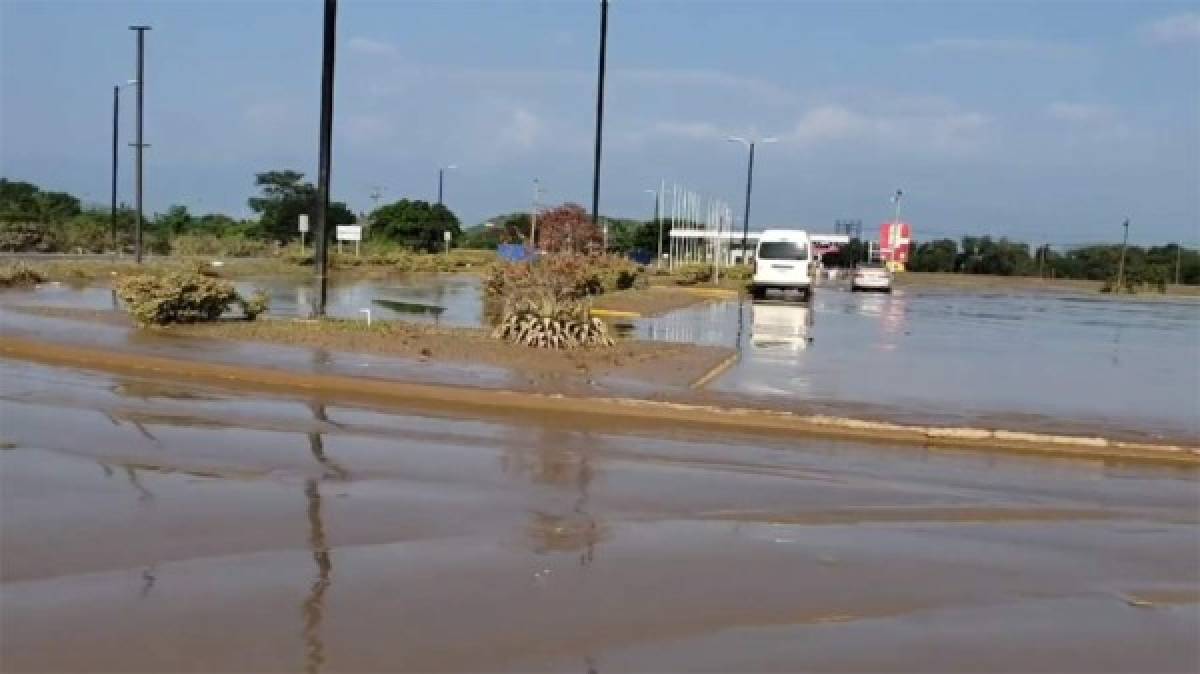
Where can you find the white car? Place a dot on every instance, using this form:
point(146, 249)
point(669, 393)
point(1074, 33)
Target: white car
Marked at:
point(783, 261)
point(871, 277)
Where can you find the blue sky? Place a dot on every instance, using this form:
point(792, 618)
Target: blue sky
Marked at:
point(1042, 121)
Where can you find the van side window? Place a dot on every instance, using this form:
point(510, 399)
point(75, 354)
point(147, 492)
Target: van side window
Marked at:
point(782, 250)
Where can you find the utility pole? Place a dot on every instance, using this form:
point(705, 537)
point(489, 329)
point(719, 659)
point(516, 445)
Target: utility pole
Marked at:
point(658, 201)
point(1178, 260)
point(141, 87)
point(441, 178)
point(116, 130)
point(1121, 264)
point(750, 145)
point(537, 188)
point(600, 119)
point(324, 154)
point(746, 211)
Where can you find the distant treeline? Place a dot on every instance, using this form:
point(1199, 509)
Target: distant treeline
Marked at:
point(37, 220)
point(1154, 266)
point(33, 219)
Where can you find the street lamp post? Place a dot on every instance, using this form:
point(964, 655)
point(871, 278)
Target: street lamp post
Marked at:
point(141, 87)
point(749, 183)
point(600, 118)
point(658, 223)
point(1121, 263)
point(324, 155)
point(537, 190)
point(116, 133)
point(116, 130)
point(441, 179)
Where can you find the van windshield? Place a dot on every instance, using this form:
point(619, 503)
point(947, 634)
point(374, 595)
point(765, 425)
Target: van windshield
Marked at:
point(782, 250)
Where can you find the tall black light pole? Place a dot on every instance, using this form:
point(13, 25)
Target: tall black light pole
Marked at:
point(1121, 263)
point(116, 130)
point(324, 154)
point(600, 118)
point(442, 178)
point(141, 86)
point(746, 211)
point(749, 185)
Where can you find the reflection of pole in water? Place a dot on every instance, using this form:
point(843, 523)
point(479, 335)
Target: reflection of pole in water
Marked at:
point(143, 493)
point(582, 480)
point(313, 608)
point(148, 579)
point(316, 445)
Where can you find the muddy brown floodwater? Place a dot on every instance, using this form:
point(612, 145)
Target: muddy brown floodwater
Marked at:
point(153, 526)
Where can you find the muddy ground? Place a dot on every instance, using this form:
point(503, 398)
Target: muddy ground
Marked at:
point(657, 300)
point(153, 526)
point(667, 364)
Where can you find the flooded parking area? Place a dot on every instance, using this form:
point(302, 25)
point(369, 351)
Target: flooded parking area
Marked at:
point(236, 533)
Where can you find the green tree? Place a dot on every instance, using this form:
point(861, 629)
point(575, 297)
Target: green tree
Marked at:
point(175, 221)
point(645, 239)
point(937, 256)
point(847, 256)
point(285, 196)
point(414, 223)
point(26, 202)
point(622, 233)
point(511, 228)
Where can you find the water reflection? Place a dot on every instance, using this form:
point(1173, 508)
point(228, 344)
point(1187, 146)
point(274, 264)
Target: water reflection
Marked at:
point(781, 325)
point(313, 608)
point(451, 299)
point(548, 463)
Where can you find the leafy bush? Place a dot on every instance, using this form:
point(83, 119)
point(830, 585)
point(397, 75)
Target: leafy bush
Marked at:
point(573, 276)
point(257, 303)
point(178, 297)
point(19, 274)
point(738, 272)
point(691, 274)
point(228, 246)
point(26, 236)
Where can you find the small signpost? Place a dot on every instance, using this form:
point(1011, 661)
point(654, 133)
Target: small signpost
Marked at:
point(349, 233)
point(447, 236)
point(303, 225)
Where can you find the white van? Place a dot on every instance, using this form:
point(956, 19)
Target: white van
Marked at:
point(783, 260)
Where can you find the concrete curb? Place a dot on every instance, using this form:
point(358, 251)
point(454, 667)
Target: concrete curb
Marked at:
point(444, 399)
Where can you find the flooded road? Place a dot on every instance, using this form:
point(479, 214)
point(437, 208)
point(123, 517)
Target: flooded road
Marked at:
point(1008, 359)
point(1069, 358)
point(153, 526)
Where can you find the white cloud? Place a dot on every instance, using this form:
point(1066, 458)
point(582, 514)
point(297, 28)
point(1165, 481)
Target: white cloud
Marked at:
point(368, 129)
point(1173, 29)
point(522, 129)
point(913, 125)
point(994, 46)
point(1079, 112)
point(370, 47)
point(934, 130)
point(688, 130)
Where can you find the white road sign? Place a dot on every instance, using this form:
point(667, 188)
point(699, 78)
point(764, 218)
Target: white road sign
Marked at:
point(303, 223)
point(349, 233)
